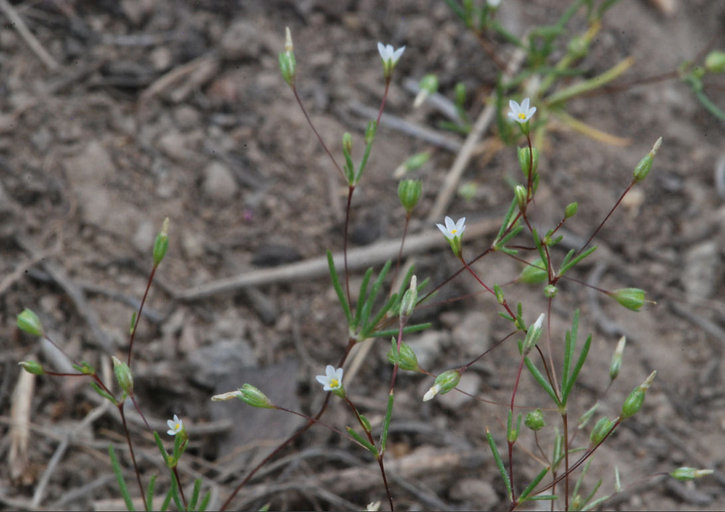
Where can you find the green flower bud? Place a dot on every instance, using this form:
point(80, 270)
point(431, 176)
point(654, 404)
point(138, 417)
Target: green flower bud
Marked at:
point(535, 273)
point(499, 293)
point(571, 210)
point(29, 322)
point(521, 197)
point(406, 360)
point(525, 160)
point(685, 473)
point(715, 61)
point(412, 163)
point(409, 193)
point(600, 430)
point(33, 367)
point(533, 334)
point(645, 165)
point(617, 359)
point(428, 85)
point(633, 403)
point(254, 397)
point(287, 63)
point(535, 420)
point(370, 132)
point(630, 298)
point(443, 384)
point(578, 47)
point(123, 375)
point(550, 291)
point(161, 244)
point(460, 93)
point(512, 434)
point(410, 297)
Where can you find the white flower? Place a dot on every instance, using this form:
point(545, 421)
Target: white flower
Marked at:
point(493, 3)
point(539, 321)
point(175, 426)
point(452, 229)
point(521, 113)
point(389, 54)
point(332, 380)
point(432, 392)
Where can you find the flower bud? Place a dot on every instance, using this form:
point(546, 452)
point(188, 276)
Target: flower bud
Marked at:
point(406, 360)
point(525, 160)
point(499, 294)
point(617, 359)
point(29, 322)
point(123, 375)
point(535, 273)
point(347, 142)
point(412, 163)
point(645, 165)
point(460, 93)
point(633, 403)
point(630, 298)
point(287, 63)
point(601, 430)
point(571, 210)
point(578, 47)
point(535, 420)
point(428, 85)
point(715, 61)
point(254, 397)
point(161, 244)
point(443, 384)
point(685, 473)
point(533, 334)
point(33, 367)
point(370, 132)
point(409, 193)
point(410, 297)
point(521, 197)
point(550, 291)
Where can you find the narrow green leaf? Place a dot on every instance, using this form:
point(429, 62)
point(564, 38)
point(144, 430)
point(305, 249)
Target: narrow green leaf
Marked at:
point(499, 464)
point(386, 422)
point(194, 495)
point(406, 330)
point(594, 491)
point(103, 392)
point(530, 488)
point(506, 221)
point(205, 502)
point(338, 288)
point(577, 368)
point(567, 258)
point(364, 161)
point(370, 324)
point(542, 497)
point(569, 345)
point(167, 500)
point(362, 296)
point(150, 493)
point(580, 479)
point(119, 478)
point(541, 380)
point(161, 448)
point(175, 491)
point(361, 440)
point(577, 259)
point(370, 300)
point(513, 233)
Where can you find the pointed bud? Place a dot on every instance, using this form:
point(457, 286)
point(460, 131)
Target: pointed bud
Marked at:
point(460, 93)
point(347, 142)
point(406, 359)
point(370, 132)
point(685, 473)
point(645, 165)
point(512, 433)
point(29, 322)
point(123, 375)
point(715, 62)
point(33, 367)
point(161, 244)
point(409, 193)
point(412, 163)
point(617, 359)
point(287, 63)
point(550, 291)
point(499, 294)
point(533, 334)
point(634, 401)
point(443, 384)
point(254, 397)
point(410, 297)
point(535, 420)
point(630, 298)
point(428, 86)
point(601, 430)
point(521, 197)
point(525, 160)
point(571, 210)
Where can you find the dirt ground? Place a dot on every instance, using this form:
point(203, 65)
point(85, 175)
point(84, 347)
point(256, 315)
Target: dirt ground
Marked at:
point(143, 110)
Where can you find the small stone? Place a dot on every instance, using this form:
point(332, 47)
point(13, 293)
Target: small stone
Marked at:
point(145, 235)
point(186, 117)
point(219, 183)
point(703, 268)
point(240, 41)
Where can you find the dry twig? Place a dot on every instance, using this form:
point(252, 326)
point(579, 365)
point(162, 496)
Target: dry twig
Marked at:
point(32, 41)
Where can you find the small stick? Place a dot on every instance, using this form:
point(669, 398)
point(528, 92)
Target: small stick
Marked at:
point(32, 41)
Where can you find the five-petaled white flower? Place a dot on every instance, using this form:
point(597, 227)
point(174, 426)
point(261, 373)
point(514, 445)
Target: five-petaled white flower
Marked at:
point(493, 3)
point(389, 54)
point(452, 229)
point(332, 380)
point(175, 426)
point(521, 113)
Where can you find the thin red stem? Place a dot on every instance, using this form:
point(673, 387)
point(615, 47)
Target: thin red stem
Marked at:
point(138, 315)
point(133, 456)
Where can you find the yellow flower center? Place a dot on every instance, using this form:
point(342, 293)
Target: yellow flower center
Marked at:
point(334, 383)
point(454, 231)
point(522, 115)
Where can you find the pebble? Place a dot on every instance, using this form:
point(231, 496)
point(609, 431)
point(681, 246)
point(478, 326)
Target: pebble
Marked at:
point(241, 40)
point(145, 235)
point(225, 357)
point(478, 492)
point(703, 267)
point(219, 183)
